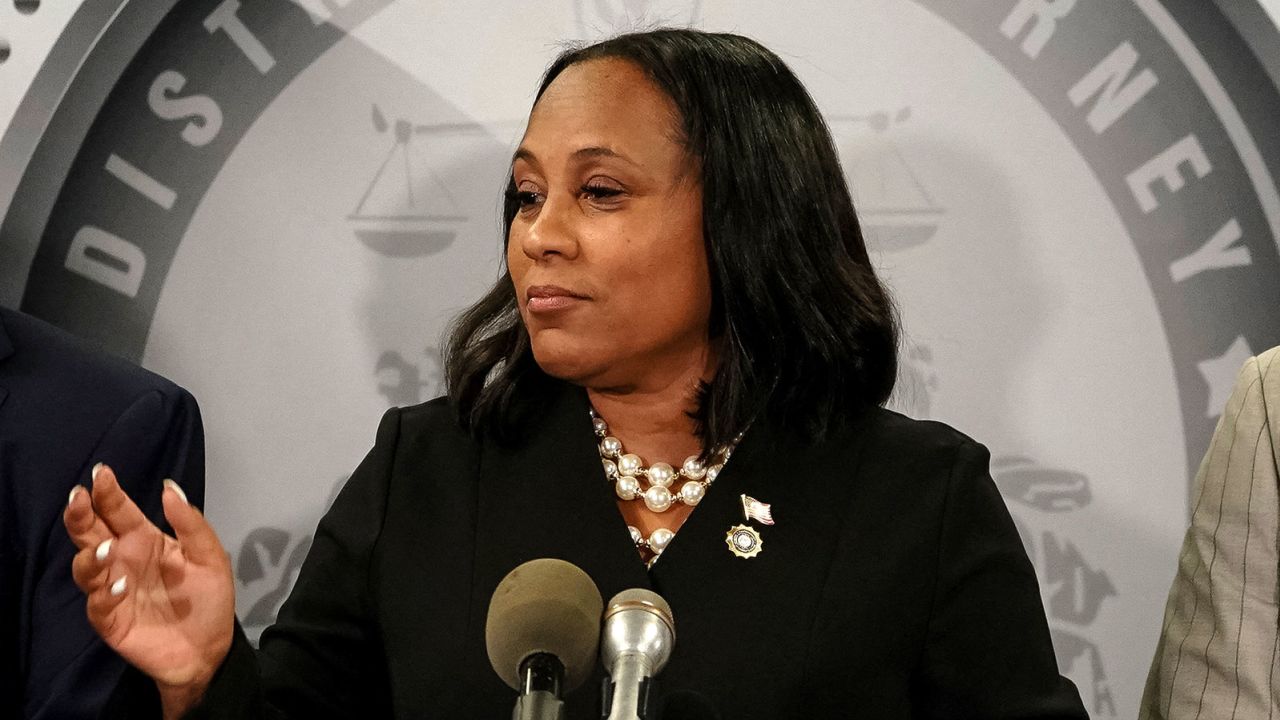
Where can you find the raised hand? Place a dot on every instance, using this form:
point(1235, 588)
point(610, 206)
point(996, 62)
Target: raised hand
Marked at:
point(166, 605)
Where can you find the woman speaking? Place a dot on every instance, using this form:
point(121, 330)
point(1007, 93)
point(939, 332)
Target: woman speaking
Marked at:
point(676, 386)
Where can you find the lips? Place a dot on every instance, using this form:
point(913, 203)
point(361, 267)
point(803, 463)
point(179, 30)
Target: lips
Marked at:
point(551, 298)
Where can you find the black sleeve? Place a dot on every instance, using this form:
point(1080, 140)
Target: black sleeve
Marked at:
point(323, 657)
point(71, 672)
point(988, 654)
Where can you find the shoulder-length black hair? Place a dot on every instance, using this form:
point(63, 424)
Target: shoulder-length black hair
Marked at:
point(807, 332)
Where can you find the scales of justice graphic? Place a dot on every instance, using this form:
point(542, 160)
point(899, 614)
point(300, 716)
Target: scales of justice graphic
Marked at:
point(407, 210)
point(893, 204)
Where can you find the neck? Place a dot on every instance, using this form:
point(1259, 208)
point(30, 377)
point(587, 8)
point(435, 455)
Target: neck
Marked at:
point(653, 418)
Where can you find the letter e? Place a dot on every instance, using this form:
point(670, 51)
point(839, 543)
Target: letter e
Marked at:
point(1165, 166)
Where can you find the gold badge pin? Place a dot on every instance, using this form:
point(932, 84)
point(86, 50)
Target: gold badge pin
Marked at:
point(744, 541)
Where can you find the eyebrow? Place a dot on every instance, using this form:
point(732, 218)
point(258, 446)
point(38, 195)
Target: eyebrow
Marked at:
point(595, 151)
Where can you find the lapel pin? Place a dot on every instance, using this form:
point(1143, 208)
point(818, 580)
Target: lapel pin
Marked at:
point(753, 509)
point(744, 541)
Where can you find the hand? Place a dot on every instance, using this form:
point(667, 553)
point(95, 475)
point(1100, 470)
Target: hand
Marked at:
point(165, 605)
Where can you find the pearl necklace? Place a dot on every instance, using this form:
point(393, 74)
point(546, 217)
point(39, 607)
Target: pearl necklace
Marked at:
point(626, 470)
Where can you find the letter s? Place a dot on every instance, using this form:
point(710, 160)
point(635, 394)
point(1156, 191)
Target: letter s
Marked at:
point(199, 131)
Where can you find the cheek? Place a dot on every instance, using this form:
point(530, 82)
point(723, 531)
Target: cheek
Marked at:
point(670, 288)
point(517, 261)
point(688, 267)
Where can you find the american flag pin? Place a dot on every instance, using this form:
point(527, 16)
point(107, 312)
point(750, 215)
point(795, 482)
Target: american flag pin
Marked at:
point(753, 509)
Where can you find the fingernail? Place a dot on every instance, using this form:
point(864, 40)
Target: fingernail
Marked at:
point(74, 490)
point(174, 487)
point(117, 587)
point(104, 547)
point(94, 472)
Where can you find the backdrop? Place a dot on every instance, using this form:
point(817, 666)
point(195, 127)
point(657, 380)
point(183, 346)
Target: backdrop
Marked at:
point(280, 205)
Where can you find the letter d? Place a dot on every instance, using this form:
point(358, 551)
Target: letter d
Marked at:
point(107, 260)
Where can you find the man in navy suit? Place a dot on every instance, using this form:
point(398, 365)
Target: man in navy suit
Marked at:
point(63, 408)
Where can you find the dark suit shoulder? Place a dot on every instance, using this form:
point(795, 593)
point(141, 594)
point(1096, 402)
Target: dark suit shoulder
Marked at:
point(893, 432)
point(428, 434)
point(434, 420)
point(431, 416)
point(885, 444)
point(57, 364)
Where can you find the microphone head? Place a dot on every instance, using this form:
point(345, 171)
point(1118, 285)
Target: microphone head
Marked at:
point(638, 622)
point(544, 606)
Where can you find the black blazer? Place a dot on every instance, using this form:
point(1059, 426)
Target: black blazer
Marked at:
point(893, 584)
point(64, 407)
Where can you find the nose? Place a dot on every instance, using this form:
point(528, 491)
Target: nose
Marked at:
point(551, 233)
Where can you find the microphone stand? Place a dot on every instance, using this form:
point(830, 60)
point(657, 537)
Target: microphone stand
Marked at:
point(630, 688)
point(540, 677)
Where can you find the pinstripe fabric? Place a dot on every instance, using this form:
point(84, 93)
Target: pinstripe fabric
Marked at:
point(1218, 648)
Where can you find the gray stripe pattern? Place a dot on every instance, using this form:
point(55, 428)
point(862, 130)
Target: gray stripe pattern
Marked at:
point(1218, 647)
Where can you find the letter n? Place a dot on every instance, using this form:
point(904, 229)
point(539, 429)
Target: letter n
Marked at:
point(1116, 90)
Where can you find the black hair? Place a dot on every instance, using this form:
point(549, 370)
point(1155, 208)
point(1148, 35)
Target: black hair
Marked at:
point(807, 333)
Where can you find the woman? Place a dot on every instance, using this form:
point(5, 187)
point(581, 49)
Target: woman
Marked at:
point(687, 279)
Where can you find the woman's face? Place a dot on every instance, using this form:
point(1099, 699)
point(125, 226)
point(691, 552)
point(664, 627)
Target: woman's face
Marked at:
point(606, 251)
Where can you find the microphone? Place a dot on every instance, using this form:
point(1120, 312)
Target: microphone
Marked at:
point(639, 633)
point(541, 634)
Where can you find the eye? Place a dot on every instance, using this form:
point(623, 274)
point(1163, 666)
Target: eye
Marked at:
point(599, 191)
point(600, 194)
point(525, 199)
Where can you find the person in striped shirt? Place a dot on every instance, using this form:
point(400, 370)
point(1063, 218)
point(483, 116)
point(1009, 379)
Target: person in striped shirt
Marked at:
point(1217, 655)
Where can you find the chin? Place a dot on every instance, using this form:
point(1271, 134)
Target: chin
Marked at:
point(563, 360)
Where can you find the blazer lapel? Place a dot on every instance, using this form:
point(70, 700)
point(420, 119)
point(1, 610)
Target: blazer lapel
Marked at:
point(548, 497)
point(727, 607)
point(772, 468)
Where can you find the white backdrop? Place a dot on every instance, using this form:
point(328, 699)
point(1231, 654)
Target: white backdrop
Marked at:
point(326, 253)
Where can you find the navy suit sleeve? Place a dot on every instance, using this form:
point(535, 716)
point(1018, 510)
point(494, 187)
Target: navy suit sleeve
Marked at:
point(323, 657)
point(71, 672)
point(989, 653)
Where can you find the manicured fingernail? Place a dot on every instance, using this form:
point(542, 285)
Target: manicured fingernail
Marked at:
point(94, 472)
point(174, 487)
point(104, 547)
point(117, 587)
point(74, 490)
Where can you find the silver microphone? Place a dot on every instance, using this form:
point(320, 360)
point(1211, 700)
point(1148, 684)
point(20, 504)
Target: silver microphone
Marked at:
point(639, 634)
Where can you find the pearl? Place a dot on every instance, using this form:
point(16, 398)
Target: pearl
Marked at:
point(693, 468)
point(610, 447)
point(691, 492)
point(661, 474)
point(657, 498)
point(599, 424)
point(660, 539)
point(610, 468)
point(713, 472)
point(629, 464)
point(636, 537)
point(627, 487)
